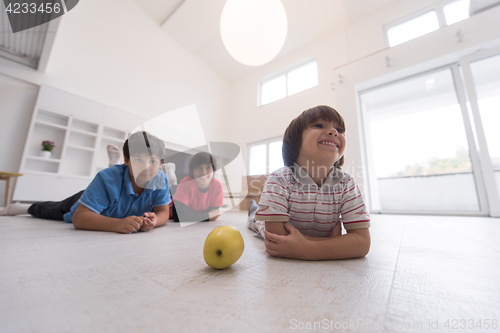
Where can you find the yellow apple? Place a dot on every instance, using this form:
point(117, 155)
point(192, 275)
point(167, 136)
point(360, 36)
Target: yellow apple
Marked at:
point(223, 247)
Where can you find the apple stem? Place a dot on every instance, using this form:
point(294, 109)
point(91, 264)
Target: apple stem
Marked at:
point(219, 252)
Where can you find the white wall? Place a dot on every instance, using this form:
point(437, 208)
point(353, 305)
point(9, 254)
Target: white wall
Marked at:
point(17, 99)
point(357, 53)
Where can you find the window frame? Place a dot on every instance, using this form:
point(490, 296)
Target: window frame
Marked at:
point(438, 7)
point(285, 72)
point(367, 157)
point(444, 3)
point(257, 143)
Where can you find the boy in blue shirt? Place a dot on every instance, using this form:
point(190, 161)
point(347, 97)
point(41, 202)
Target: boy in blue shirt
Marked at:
point(124, 198)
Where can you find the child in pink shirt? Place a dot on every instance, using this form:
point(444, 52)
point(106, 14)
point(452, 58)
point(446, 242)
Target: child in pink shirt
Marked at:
point(199, 195)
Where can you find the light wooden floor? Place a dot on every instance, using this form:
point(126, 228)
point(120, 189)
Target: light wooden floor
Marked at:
point(54, 278)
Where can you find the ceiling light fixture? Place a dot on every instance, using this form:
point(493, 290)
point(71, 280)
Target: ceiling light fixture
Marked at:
point(253, 31)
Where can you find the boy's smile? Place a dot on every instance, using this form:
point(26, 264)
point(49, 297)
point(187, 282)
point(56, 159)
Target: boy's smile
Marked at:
point(322, 142)
point(330, 142)
point(203, 175)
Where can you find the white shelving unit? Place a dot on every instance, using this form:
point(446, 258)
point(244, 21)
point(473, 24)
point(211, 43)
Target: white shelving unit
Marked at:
point(108, 136)
point(81, 130)
point(76, 143)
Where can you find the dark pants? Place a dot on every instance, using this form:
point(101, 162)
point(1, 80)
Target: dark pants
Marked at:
point(175, 216)
point(173, 189)
point(53, 210)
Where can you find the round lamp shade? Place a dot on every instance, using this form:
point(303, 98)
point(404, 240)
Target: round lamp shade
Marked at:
point(253, 31)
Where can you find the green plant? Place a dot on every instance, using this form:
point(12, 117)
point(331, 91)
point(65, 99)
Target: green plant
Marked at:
point(48, 145)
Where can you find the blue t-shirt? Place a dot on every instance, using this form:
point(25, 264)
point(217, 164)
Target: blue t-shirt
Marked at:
point(111, 194)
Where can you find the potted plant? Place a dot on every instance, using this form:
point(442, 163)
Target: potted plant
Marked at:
point(47, 147)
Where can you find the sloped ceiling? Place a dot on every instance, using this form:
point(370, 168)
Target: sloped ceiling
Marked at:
point(194, 24)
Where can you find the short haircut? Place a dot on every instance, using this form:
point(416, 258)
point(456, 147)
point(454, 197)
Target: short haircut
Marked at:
point(292, 140)
point(199, 159)
point(143, 143)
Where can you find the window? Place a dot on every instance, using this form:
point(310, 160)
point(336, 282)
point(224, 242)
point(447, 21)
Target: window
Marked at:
point(302, 78)
point(456, 11)
point(430, 19)
point(291, 82)
point(265, 157)
point(258, 157)
point(417, 146)
point(273, 90)
point(485, 75)
point(432, 140)
point(275, 155)
point(413, 28)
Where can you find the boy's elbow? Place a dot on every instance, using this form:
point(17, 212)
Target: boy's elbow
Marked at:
point(78, 218)
point(76, 221)
point(362, 243)
point(364, 252)
point(365, 248)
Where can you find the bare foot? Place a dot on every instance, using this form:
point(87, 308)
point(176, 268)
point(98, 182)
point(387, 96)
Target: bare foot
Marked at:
point(113, 154)
point(17, 209)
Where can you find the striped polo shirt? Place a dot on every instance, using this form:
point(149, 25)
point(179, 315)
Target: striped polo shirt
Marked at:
point(290, 195)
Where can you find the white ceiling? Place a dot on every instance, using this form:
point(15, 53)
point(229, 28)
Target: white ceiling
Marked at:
point(194, 24)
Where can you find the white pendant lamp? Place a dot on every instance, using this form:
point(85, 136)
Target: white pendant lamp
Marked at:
point(253, 31)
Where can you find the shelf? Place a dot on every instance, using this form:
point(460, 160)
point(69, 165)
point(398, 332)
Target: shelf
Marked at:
point(74, 130)
point(45, 132)
point(84, 126)
point(50, 159)
point(40, 164)
point(80, 148)
point(41, 173)
point(54, 174)
point(49, 117)
point(77, 162)
point(84, 140)
point(114, 134)
point(107, 138)
point(50, 125)
point(67, 175)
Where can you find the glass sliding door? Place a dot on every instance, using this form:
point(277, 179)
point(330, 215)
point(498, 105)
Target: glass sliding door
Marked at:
point(257, 160)
point(265, 157)
point(482, 80)
point(420, 147)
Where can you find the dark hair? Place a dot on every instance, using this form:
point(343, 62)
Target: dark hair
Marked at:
point(199, 159)
point(292, 140)
point(143, 143)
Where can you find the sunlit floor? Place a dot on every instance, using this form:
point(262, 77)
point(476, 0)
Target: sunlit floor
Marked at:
point(421, 274)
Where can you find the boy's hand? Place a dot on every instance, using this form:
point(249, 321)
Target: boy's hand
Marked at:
point(149, 221)
point(129, 224)
point(337, 230)
point(213, 215)
point(294, 245)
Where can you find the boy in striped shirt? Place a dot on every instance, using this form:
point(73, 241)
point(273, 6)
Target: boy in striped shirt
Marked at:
point(304, 204)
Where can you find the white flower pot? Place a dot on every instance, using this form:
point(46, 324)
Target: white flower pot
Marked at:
point(45, 154)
